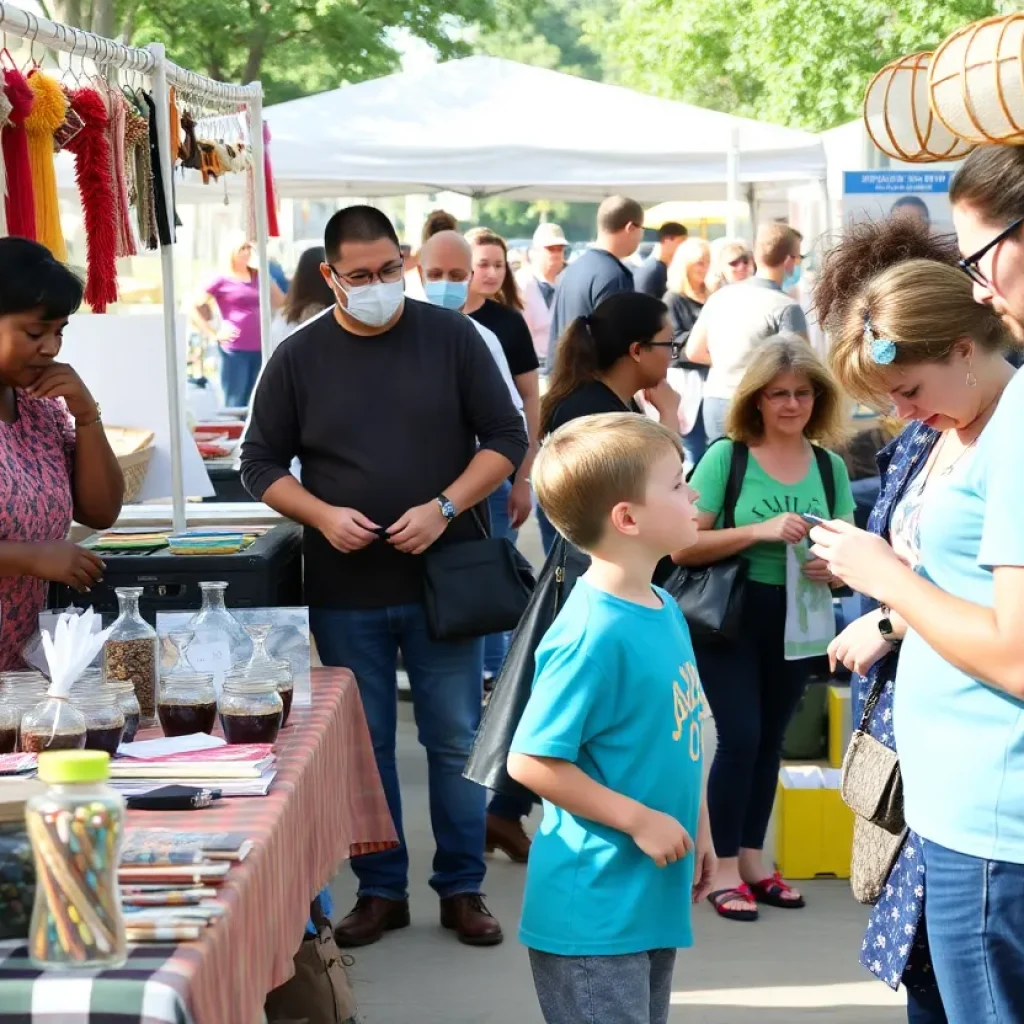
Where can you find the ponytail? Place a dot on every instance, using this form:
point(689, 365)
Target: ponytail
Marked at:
point(575, 364)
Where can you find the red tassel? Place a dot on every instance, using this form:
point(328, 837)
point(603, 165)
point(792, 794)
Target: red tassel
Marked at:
point(92, 172)
point(273, 231)
point(21, 200)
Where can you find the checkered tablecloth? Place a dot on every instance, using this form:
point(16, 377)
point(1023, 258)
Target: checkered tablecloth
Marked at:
point(326, 804)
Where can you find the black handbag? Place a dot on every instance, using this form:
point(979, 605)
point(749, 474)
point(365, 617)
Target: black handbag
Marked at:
point(476, 587)
point(486, 765)
point(711, 596)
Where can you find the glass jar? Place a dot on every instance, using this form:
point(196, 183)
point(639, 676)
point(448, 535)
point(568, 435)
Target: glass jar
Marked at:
point(76, 916)
point(250, 709)
point(187, 704)
point(132, 652)
point(104, 720)
point(262, 663)
point(53, 724)
point(220, 644)
point(10, 718)
point(124, 691)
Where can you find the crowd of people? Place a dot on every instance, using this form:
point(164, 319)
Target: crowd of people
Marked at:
point(412, 435)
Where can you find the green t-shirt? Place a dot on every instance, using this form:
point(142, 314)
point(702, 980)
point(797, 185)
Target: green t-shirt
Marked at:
point(762, 497)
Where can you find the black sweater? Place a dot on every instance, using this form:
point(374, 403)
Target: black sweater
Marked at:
point(380, 424)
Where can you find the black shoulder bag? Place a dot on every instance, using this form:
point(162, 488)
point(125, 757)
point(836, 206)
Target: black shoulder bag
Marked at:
point(476, 587)
point(711, 596)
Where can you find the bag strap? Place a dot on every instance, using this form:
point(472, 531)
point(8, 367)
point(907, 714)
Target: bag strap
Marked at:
point(478, 519)
point(872, 702)
point(828, 479)
point(737, 471)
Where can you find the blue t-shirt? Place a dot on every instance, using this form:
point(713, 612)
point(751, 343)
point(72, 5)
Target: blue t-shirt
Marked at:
point(961, 742)
point(616, 692)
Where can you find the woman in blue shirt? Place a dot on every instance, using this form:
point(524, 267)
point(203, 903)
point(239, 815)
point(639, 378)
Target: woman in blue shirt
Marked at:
point(912, 338)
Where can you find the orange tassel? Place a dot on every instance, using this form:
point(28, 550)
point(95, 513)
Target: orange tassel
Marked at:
point(47, 115)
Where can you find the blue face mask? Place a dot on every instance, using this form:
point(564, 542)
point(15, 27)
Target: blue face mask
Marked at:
point(792, 280)
point(447, 294)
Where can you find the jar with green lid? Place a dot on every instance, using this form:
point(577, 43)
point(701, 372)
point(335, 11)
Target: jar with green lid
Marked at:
point(251, 709)
point(75, 828)
point(187, 704)
point(104, 720)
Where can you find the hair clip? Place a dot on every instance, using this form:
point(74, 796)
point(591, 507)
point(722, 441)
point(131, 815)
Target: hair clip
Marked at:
point(883, 350)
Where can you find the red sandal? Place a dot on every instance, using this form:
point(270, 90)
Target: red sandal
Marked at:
point(720, 897)
point(772, 893)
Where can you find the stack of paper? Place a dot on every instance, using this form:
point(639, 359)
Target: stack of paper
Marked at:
point(237, 770)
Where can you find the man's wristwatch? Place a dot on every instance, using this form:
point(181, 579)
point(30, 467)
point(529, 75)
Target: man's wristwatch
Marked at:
point(448, 510)
point(885, 627)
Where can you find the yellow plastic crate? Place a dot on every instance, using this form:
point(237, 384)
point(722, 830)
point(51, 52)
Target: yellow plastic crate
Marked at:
point(814, 832)
point(840, 724)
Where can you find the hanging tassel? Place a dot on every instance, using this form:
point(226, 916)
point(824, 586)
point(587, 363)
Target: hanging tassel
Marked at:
point(21, 204)
point(48, 114)
point(5, 116)
point(268, 173)
point(92, 172)
point(117, 112)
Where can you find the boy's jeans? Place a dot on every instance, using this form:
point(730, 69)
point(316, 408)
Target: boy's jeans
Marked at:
point(635, 988)
point(447, 687)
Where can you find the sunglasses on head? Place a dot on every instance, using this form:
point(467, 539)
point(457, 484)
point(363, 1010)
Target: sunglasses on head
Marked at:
point(740, 261)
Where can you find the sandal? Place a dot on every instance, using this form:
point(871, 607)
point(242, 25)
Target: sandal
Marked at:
point(772, 893)
point(720, 897)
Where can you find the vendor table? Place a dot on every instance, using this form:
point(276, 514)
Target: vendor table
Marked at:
point(326, 804)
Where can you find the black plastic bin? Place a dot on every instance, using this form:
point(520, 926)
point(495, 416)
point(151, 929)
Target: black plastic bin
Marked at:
point(267, 574)
point(227, 485)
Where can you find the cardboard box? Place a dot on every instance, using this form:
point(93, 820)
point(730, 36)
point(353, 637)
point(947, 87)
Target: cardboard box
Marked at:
point(840, 724)
point(814, 828)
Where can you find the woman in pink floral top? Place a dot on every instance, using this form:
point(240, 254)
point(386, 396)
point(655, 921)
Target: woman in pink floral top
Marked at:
point(55, 461)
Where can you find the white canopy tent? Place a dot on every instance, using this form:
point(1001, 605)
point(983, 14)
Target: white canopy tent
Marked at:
point(484, 126)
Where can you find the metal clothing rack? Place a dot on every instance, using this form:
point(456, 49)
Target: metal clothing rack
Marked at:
point(163, 74)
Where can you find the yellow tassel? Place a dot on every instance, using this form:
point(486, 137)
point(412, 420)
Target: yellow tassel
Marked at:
point(48, 112)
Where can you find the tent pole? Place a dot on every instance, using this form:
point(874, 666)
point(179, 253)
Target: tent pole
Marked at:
point(259, 186)
point(175, 376)
point(829, 226)
point(732, 183)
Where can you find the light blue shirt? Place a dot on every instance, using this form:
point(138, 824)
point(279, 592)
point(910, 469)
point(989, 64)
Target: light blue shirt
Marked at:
point(616, 692)
point(961, 742)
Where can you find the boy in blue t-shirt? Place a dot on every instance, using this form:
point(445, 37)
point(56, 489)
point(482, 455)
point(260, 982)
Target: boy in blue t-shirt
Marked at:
point(611, 736)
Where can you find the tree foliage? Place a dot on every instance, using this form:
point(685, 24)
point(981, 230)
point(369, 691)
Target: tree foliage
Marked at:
point(803, 63)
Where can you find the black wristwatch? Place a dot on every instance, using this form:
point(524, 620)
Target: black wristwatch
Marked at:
point(448, 510)
point(885, 627)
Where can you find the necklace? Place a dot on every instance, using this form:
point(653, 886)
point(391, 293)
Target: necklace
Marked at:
point(984, 417)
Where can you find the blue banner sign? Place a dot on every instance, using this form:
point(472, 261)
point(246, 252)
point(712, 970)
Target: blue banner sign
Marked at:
point(896, 182)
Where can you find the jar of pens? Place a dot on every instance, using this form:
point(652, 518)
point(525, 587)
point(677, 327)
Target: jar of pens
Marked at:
point(75, 828)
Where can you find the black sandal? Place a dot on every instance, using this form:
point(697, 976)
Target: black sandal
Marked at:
point(720, 897)
point(772, 893)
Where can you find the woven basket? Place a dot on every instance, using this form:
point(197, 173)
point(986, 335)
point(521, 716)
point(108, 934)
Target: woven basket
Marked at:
point(134, 450)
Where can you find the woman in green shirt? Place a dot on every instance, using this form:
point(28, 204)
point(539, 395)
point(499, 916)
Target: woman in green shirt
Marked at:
point(787, 399)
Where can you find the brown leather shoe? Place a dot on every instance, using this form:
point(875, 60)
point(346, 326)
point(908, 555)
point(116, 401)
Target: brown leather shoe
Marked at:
point(467, 914)
point(509, 837)
point(369, 919)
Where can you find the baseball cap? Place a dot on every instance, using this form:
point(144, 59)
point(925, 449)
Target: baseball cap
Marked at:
point(548, 235)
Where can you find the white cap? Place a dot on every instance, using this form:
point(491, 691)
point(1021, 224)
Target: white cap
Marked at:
point(548, 235)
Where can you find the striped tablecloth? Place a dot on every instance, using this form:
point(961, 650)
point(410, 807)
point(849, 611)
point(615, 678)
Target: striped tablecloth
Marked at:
point(326, 804)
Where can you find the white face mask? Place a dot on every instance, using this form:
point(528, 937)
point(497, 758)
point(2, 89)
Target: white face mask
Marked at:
point(373, 304)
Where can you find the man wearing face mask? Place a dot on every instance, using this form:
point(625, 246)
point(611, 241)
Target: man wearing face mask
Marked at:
point(402, 423)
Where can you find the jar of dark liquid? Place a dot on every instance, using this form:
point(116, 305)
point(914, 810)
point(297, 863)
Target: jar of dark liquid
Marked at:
point(129, 705)
point(104, 720)
point(262, 663)
point(251, 709)
point(53, 724)
point(187, 704)
point(10, 716)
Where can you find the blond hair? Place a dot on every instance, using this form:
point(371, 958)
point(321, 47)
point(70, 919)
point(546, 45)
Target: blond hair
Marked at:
point(925, 308)
point(775, 243)
point(689, 254)
point(723, 252)
point(786, 353)
point(585, 468)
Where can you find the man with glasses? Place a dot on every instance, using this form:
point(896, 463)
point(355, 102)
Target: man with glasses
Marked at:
point(735, 320)
point(402, 423)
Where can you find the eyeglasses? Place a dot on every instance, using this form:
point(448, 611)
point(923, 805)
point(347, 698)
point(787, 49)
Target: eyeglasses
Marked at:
point(388, 274)
point(779, 395)
point(740, 261)
point(674, 347)
point(970, 264)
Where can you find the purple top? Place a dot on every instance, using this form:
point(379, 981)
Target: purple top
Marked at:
point(36, 456)
point(239, 305)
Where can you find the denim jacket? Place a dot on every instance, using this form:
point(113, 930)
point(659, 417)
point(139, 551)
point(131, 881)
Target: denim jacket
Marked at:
point(895, 947)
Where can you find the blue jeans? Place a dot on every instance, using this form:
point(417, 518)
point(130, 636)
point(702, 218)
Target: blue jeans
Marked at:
point(715, 411)
point(696, 441)
point(496, 645)
point(976, 934)
point(238, 373)
point(446, 682)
